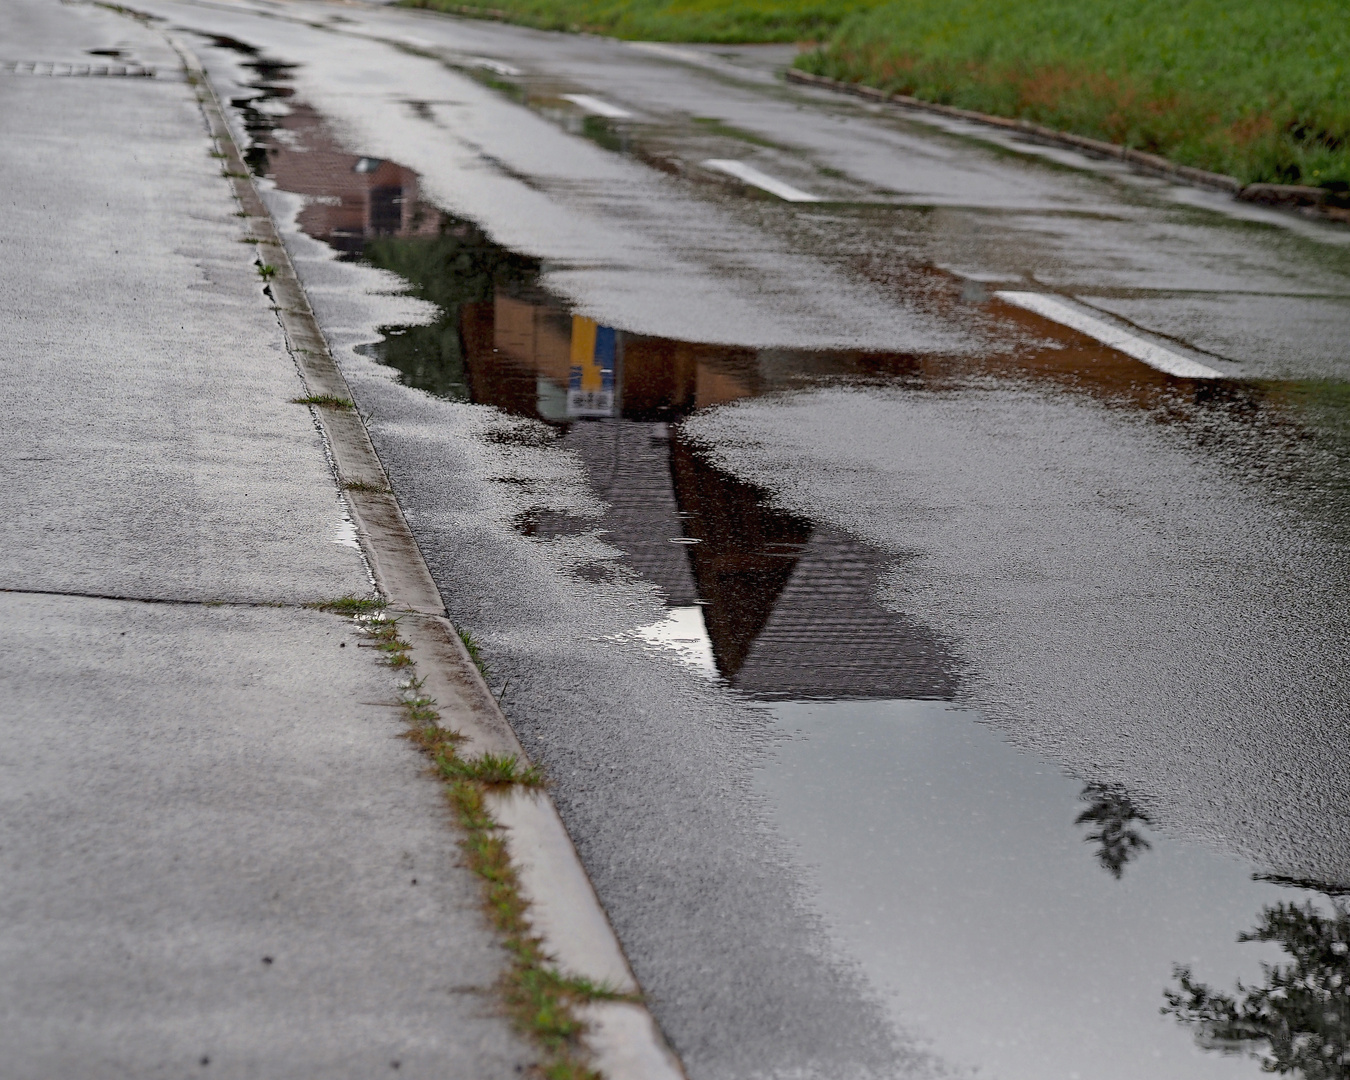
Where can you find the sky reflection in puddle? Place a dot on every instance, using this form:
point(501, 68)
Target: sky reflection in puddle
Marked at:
point(965, 890)
point(980, 911)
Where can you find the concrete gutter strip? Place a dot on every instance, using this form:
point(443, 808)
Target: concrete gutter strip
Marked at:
point(1284, 195)
point(565, 911)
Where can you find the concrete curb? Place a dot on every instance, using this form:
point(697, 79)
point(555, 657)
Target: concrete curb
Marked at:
point(564, 910)
point(1293, 196)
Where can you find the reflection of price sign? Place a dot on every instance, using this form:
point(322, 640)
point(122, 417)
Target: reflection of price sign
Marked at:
point(590, 384)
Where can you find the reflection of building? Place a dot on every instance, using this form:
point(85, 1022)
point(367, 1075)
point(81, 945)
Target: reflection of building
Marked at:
point(790, 609)
point(349, 198)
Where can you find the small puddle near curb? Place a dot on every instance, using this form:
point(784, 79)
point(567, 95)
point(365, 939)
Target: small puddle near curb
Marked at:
point(1023, 921)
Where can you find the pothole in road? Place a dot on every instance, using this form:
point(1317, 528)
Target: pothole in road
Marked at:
point(1025, 920)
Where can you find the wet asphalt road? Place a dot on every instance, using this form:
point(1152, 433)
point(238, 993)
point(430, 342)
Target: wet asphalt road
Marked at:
point(862, 478)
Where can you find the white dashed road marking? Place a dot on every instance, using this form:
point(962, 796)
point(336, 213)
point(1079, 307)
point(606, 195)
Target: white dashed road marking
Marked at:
point(763, 181)
point(1154, 356)
point(597, 107)
point(495, 66)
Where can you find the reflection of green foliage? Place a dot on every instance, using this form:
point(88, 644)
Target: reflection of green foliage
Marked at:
point(458, 266)
point(427, 357)
point(604, 133)
point(1299, 1020)
point(1113, 815)
point(714, 126)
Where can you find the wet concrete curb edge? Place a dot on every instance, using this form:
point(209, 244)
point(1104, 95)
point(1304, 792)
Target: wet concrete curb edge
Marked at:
point(564, 910)
point(1283, 195)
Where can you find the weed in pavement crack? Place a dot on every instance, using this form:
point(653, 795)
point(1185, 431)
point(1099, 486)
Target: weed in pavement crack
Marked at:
point(324, 401)
point(541, 1000)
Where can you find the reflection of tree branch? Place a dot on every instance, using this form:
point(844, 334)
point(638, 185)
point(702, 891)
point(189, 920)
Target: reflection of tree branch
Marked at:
point(1299, 1021)
point(1304, 883)
point(1112, 812)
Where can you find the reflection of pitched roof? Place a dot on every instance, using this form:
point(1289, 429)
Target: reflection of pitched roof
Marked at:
point(629, 466)
point(827, 637)
point(791, 610)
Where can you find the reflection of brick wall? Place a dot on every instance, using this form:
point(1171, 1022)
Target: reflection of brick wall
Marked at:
point(538, 337)
point(658, 378)
point(349, 198)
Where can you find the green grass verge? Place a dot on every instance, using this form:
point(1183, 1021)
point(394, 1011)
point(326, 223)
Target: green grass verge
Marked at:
point(662, 20)
point(1257, 90)
point(1260, 91)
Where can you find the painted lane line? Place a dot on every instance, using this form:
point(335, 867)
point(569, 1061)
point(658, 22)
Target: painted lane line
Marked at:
point(496, 67)
point(752, 176)
point(1155, 356)
point(672, 52)
point(597, 107)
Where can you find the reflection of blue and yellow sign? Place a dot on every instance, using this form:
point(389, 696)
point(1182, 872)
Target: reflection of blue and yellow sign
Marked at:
point(590, 383)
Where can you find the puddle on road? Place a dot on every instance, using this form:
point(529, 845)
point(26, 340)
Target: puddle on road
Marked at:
point(1023, 921)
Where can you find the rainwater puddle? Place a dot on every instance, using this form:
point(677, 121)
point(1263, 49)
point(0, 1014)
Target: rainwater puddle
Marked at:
point(953, 868)
point(971, 894)
point(345, 535)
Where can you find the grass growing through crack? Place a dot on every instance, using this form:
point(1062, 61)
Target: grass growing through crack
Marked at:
point(475, 653)
point(540, 999)
point(267, 271)
point(387, 641)
point(324, 401)
point(352, 605)
point(494, 770)
point(362, 485)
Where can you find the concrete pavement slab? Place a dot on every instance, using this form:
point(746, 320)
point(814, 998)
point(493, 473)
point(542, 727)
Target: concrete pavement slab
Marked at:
point(216, 854)
point(219, 858)
point(145, 385)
